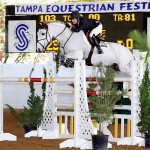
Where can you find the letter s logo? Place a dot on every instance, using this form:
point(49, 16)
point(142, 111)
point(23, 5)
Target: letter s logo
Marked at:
point(22, 41)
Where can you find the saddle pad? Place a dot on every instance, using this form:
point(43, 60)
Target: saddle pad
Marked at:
point(103, 44)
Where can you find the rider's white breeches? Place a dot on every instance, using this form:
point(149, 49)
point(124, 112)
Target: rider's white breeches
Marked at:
point(96, 30)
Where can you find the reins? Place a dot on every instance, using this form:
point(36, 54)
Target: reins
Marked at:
point(67, 39)
point(61, 32)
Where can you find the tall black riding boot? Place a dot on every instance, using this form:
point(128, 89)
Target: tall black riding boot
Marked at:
point(96, 43)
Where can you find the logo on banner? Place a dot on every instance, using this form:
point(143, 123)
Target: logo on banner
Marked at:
point(22, 36)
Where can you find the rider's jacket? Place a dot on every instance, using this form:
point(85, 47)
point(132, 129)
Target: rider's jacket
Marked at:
point(85, 24)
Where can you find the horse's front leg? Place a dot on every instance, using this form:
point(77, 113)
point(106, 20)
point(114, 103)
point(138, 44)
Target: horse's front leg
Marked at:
point(88, 62)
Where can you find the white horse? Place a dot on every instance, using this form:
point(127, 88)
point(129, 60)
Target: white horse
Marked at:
point(75, 46)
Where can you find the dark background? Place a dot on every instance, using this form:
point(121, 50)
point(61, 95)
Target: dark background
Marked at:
point(116, 28)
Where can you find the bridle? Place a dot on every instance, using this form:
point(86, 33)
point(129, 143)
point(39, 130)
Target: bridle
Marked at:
point(46, 38)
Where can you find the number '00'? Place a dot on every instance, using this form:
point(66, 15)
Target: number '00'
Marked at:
point(94, 16)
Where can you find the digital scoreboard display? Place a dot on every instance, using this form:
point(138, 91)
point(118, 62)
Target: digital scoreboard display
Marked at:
point(116, 26)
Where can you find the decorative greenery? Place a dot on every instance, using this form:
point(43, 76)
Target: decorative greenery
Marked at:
point(33, 114)
point(144, 122)
point(140, 42)
point(91, 85)
point(2, 17)
point(58, 55)
point(104, 101)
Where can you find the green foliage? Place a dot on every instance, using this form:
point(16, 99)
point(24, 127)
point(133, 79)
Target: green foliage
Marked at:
point(104, 101)
point(140, 42)
point(33, 114)
point(44, 86)
point(58, 55)
point(144, 123)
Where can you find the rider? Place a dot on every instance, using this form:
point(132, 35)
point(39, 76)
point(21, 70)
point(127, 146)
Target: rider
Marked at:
point(87, 25)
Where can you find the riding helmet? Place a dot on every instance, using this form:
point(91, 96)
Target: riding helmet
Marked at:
point(75, 15)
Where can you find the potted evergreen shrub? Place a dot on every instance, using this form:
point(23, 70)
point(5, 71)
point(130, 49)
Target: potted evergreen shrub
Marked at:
point(103, 103)
point(31, 116)
point(144, 123)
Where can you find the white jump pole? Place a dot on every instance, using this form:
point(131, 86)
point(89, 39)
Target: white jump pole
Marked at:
point(135, 104)
point(51, 80)
point(83, 127)
point(3, 136)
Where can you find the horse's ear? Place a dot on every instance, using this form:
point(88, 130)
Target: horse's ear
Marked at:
point(43, 25)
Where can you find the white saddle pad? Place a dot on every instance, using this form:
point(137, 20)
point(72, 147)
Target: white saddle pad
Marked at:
point(104, 44)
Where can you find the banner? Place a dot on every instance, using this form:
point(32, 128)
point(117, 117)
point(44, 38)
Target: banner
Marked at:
point(22, 35)
point(101, 7)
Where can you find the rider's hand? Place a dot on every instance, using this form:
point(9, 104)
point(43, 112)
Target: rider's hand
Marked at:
point(69, 63)
point(67, 25)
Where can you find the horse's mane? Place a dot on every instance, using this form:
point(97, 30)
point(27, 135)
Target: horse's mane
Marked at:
point(57, 22)
point(45, 25)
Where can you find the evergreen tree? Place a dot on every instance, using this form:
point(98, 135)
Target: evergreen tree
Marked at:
point(144, 116)
point(103, 103)
point(140, 42)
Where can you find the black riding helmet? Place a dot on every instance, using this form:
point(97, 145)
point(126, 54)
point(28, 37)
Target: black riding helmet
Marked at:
point(75, 15)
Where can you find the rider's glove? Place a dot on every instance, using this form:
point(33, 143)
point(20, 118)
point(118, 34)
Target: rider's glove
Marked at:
point(69, 63)
point(67, 25)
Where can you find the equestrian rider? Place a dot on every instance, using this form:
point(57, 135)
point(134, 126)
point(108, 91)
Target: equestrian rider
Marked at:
point(94, 27)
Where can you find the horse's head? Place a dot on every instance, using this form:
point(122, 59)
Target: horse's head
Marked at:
point(67, 41)
point(43, 37)
point(47, 31)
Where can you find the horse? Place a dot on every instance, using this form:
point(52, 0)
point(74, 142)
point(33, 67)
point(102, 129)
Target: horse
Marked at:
point(75, 46)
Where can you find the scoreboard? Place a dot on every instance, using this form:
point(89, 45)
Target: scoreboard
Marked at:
point(116, 25)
